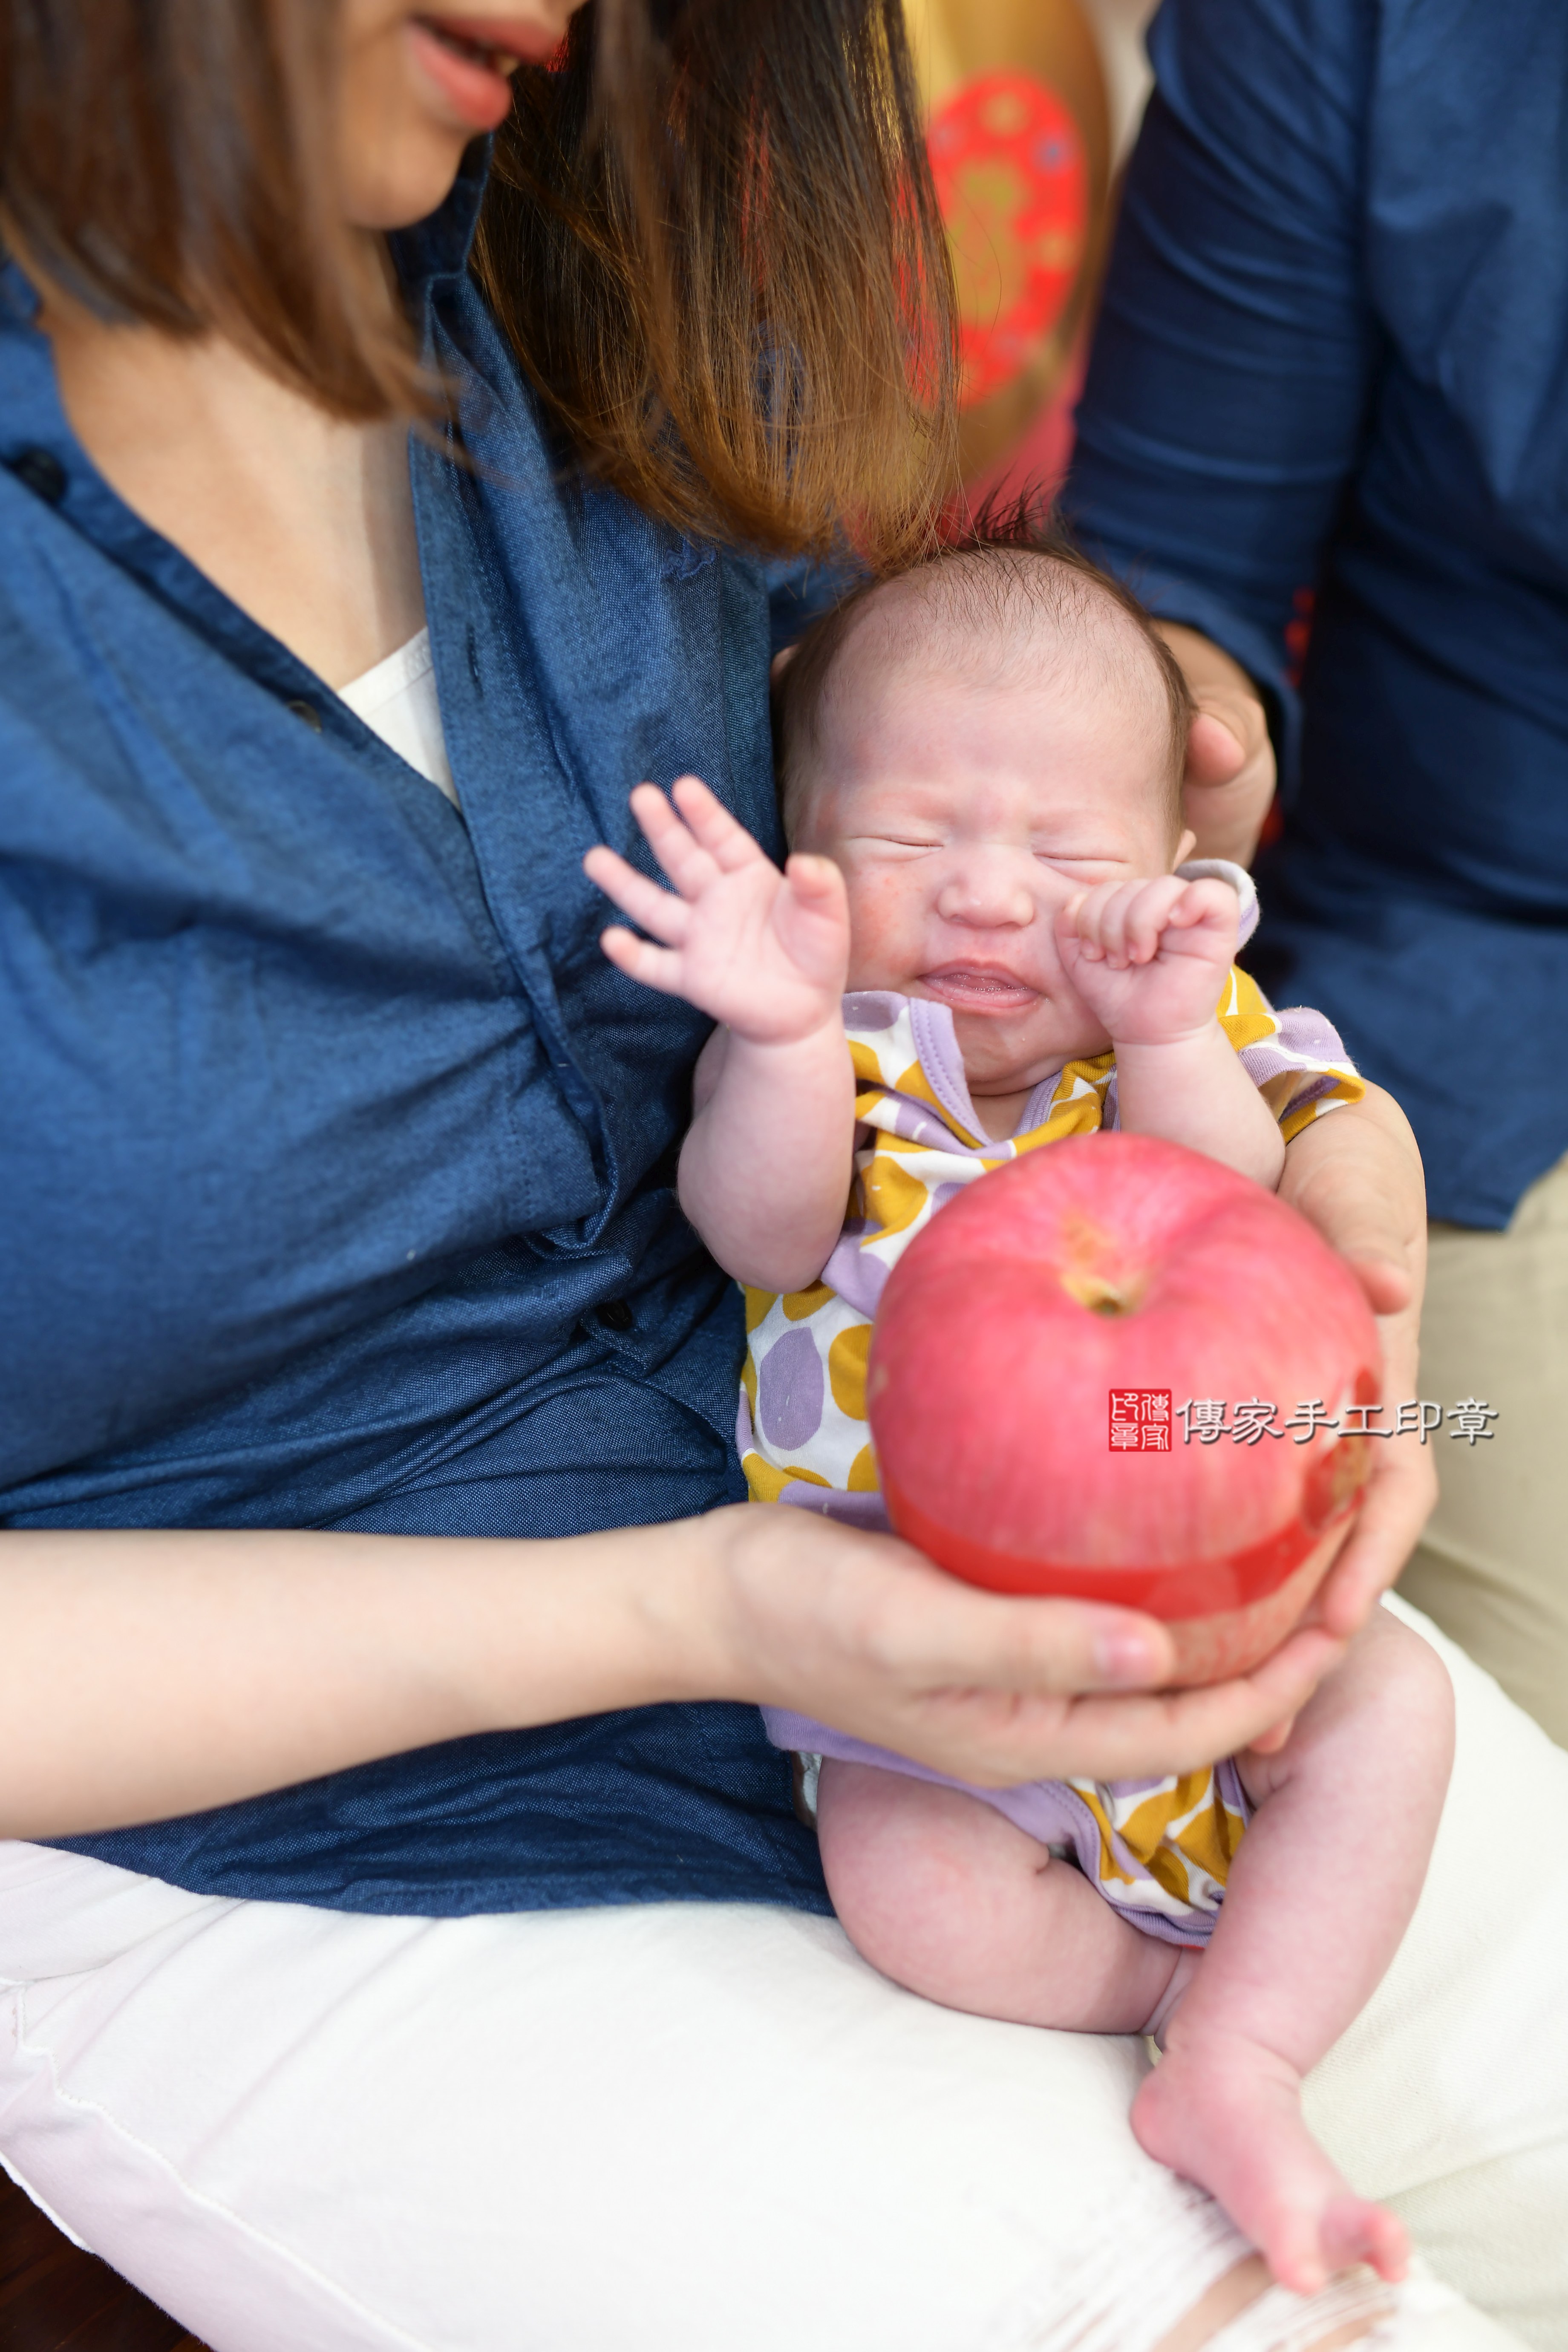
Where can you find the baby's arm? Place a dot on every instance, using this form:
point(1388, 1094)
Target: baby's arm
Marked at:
point(1151, 959)
point(767, 1164)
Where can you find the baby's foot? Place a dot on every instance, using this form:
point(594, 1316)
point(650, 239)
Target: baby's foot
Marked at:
point(1227, 2114)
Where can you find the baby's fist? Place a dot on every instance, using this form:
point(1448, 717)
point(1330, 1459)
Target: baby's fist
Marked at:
point(1149, 956)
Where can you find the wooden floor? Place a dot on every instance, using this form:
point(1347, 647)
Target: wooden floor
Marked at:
point(55, 2298)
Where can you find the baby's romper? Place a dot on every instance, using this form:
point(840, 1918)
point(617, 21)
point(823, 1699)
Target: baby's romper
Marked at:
point(1158, 1850)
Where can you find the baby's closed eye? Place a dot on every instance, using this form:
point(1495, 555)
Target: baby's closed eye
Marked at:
point(905, 844)
point(1087, 869)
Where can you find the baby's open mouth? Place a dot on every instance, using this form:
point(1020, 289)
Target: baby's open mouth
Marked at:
point(979, 988)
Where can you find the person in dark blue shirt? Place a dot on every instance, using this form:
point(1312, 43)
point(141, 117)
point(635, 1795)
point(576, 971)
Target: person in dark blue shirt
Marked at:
point(1328, 411)
point(366, 1405)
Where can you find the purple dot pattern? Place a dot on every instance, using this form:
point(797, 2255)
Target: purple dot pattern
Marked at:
point(790, 1388)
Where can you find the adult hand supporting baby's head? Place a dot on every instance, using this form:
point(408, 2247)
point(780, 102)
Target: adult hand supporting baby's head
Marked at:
point(1230, 773)
point(861, 1631)
point(1357, 1175)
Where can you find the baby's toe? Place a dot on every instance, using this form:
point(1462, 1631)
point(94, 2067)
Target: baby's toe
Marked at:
point(1354, 2231)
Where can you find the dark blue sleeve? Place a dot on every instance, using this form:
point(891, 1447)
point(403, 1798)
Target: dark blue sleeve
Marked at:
point(800, 590)
point(1229, 385)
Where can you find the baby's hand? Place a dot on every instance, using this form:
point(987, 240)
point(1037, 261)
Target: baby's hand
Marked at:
point(767, 953)
point(1150, 957)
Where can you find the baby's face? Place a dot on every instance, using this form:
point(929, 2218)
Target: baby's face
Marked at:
point(964, 812)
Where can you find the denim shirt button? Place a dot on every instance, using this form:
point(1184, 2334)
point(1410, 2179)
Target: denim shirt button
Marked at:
point(41, 471)
point(616, 1315)
point(308, 713)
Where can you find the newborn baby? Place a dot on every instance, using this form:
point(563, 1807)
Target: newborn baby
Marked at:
point(980, 765)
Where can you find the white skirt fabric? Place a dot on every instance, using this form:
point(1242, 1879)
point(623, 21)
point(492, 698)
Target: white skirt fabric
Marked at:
point(715, 2129)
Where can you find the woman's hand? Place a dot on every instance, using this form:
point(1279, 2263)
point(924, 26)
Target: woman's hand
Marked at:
point(1230, 776)
point(1357, 1175)
point(862, 1632)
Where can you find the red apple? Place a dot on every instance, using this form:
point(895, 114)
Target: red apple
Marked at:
point(1115, 1263)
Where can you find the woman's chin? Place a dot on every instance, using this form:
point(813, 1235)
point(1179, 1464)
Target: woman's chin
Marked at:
point(410, 180)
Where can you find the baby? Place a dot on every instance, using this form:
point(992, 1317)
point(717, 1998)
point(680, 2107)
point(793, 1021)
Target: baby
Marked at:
point(980, 767)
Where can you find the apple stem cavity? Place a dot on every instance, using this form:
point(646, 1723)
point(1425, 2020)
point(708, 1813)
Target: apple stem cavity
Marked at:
point(1100, 1296)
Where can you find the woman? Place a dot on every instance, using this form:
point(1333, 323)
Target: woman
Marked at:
point(1331, 368)
point(370, 1407)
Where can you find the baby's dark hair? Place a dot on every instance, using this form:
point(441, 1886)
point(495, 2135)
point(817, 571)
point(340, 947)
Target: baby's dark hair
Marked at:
point(1011, 554)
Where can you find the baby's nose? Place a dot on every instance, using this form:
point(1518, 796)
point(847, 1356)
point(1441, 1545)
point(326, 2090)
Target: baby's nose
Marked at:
point(985, 893)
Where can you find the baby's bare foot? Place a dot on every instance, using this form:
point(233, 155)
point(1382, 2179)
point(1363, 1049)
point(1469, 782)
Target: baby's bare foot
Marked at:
point(1227, 2114)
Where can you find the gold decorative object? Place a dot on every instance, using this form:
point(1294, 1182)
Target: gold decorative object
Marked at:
point(1016, 115)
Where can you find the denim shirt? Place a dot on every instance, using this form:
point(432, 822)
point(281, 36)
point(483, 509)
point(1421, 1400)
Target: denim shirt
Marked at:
point(337, 1163)
point(1333, 357)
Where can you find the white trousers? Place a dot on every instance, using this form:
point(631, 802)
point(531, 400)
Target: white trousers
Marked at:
point(714, 2129)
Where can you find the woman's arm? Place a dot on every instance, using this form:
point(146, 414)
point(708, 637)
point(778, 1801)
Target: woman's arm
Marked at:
point(145, 1675)
point(1357, 1175)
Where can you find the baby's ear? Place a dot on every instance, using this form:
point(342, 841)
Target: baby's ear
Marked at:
point(780, 663)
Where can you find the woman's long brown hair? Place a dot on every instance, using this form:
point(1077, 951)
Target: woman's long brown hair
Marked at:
point(716, 246)
point(711, 234)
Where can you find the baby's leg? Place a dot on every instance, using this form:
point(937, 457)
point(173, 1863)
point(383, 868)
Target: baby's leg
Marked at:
point(1320, 1894)
point(944, 1895)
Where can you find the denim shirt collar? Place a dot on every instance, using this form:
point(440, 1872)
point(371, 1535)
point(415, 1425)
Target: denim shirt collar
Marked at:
point(39, 444)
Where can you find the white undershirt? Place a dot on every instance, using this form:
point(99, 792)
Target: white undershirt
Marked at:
point(397, 700)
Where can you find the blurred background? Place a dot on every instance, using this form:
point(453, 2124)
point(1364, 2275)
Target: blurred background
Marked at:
point(1031, 106)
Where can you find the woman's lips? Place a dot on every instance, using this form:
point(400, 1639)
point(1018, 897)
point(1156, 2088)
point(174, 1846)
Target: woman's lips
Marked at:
point(974, 988)
point(469, 60)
